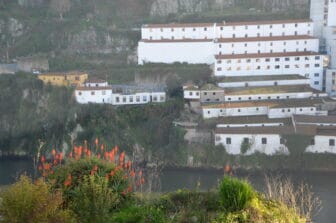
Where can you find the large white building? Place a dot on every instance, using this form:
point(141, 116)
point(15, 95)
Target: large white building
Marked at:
point(251, 48)
point(100, 92)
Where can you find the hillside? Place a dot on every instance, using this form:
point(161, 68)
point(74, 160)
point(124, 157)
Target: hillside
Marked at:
point(111, 27)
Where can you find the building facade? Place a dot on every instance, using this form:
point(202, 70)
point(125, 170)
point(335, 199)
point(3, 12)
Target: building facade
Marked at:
point(100, 92)
point(64, 79)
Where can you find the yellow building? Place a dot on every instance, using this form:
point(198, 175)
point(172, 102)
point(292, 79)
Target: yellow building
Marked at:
point(64, 79)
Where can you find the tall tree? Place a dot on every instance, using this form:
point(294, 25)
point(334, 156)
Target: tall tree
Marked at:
point(60, 6)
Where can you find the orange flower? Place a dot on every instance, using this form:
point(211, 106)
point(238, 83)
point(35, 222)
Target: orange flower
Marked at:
point(102, 147)
point(96, 141)
point(43, 159)
point(53, 152)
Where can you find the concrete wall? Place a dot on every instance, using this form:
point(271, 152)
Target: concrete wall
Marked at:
point(170, 52)
point(94, 96)
point(331, 82)
point(212, 96)
point(273, 145)
point(322, 145)
point(264, 83)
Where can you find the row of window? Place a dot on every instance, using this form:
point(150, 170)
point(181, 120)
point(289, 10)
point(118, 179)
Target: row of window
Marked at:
point(270, 51)
point(259, 44)
point(277, 59)
point(257, 109)
point(276, 67)
point(228, 141)
point(222, 27)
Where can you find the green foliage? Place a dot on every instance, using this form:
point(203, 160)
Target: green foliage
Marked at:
point(80, 170)
point(30, 202)
point(235, 195)
point(140, 214)
point(93, 200)
point(245, 146)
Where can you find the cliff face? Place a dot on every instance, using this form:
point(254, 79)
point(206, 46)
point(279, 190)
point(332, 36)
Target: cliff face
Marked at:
point(166, 7)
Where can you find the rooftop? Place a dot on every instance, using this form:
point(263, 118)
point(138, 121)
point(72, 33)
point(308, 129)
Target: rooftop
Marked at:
point(260, 78)
point(211, 87)
point(269, 90)
point(178, 25)
point(175, 40)
point(83, 88)
point(300, 119)
point(266, 55)
point(241, 23)
point(289, 103)
point(191, 88)
point(264, 38)
point(252, 120)
point(95, 80)
point(64, 73)
point(264, 22)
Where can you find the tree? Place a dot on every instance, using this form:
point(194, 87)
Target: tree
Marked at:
point(60, 6)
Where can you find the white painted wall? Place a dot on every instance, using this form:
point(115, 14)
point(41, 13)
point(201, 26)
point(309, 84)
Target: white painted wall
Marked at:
point(170, 52)
point(272, 147)
point(290, 111)
point(331, 13)
point(276, 96)
point(94, 96)
point(192, 94)
point(250, 125)
point(229, 112)
point(264, 83)
point(269, 46)
point(331, 82)
point(317, 15)
point(322, 145)
point(262, 30)
point(309, 66)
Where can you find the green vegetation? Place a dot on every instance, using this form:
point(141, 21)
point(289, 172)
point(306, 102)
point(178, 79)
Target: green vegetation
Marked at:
point(89, 196)
point(235, 195)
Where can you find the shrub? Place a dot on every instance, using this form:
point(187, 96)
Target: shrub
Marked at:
point(93, 200)
point(32, 202)
point(235, 194)
point(135, 214)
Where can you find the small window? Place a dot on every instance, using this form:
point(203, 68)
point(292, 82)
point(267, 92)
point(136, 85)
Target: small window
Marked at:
point(93, 93)
point(331, 142)
point(117, 99)
point(80, 93)
point(264, 141)
point(228, 141)
point(282, 141)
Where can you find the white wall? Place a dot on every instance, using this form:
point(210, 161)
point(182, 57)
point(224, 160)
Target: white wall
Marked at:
point(264, 83)
point(322, 145)
point(190, 31)
point(170, 52)
point(229, 112)
point(331, 82)
point(267, 46)
point(290, 111)
point(273, 96)
point(94, 96)
point(331, 13)
point(272, 147)
point(191, 94)
point(317, 15)
point(310, 66)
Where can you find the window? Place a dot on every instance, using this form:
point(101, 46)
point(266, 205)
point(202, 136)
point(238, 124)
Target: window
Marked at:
point(205, 29)
point(77, 78)
point(317, 57)
point(317, 65)
point(316, 75)
point(144, 98)
point(312, 142)
point(277, 59)
point(218, 138)
point(124, 99)
point(267, 60)
point(297, 58)
point(155, 98)
point(137, 99)
point(93, 93)
point(190, 93)
point(264, 141)
point(282, 141)
point(239, 110)
point(131, 98)
point(277, 67)
point(80, 93)
point(287, 66)
point(316, 83)
point(331, 142)
point(117, 99)
point(228, 141)
point(287, 59)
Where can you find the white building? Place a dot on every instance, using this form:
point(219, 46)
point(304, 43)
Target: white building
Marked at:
point(247, 135)
point(99, 92)
point(191, 92)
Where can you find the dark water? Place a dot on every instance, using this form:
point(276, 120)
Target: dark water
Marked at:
point(323, 183)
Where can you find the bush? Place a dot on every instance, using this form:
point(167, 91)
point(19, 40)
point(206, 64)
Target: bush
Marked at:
point(235, 194)
point(28, 202)
point(135, 214)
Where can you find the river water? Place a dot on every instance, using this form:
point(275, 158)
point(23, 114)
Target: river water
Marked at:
point(323, 183)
